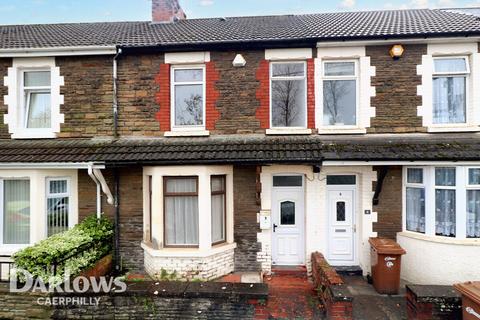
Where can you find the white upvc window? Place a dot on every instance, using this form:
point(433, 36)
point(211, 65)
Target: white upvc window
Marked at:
point(450, 90)
point(33, 98)
point(15, 213)
point(442, 201)
point(340, 87)
point(288, 94)
point(188, 93)
point(58, 205)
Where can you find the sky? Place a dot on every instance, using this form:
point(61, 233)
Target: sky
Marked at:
point(57, 11)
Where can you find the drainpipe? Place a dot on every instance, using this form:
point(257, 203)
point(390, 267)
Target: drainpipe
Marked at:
point(97, 176)
point(117, 220)
point(115, 93)
point(99, 199)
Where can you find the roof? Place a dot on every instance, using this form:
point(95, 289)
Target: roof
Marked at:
point(248, 149)
point(307, 27)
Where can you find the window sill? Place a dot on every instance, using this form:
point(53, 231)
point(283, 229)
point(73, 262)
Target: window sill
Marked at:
point(194, 133)
point(458, 128)
point(288, 131)
point(34, 135)
point(439, 239)
point(341, 130)
point(188, 252)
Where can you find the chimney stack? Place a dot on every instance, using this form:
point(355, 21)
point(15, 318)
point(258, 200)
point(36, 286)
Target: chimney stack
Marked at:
point(165, 11)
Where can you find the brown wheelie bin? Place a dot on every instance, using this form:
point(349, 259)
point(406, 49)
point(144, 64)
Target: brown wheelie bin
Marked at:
point(386, 256)
point(470, 299)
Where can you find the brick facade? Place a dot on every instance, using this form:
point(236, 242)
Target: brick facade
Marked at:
point(131, 211)
point(263, 94)
point(162, 97)
point(4, 65)
point(389, 208)
point(245, 219)
point(396, 82)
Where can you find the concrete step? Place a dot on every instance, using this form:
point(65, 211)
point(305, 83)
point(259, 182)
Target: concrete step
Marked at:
point(349, 270)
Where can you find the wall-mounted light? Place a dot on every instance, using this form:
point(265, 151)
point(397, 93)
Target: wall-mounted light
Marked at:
point(239, 61)
point(396, 52)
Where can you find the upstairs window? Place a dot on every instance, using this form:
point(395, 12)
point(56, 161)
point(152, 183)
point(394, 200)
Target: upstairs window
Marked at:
point(36, 93)
point(450, 76)
point(188, 97)
point(288, 95)
point(340, 93)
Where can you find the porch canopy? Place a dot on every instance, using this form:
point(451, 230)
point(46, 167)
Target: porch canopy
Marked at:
point(245, 149)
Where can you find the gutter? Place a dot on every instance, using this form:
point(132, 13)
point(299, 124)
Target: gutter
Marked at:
point(115, 92)
point(58, 51)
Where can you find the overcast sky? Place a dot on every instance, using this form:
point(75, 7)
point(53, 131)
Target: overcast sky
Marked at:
point(50, 11)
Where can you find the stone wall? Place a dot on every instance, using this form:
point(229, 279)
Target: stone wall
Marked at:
point(245, 219)
point(191, 268)
point(131, 211)
point(389, 208)
point(5, 63)
point(396, 84)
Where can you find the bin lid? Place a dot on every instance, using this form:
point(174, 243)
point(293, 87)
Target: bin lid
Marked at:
point(386, 246)
point(469, 289)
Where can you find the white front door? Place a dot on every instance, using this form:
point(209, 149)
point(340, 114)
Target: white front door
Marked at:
point(288, 224)
point(340, 207)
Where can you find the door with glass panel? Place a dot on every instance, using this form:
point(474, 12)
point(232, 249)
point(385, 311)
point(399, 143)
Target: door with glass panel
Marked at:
point(341, 217)
point(288, 221)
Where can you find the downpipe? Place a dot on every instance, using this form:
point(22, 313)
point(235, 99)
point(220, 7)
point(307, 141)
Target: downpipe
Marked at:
point(115, 93)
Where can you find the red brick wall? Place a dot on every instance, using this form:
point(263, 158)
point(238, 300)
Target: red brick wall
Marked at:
point(212, 114)
point(389, 208)
point(263, 94)
point(311, 93)
point(163, 97)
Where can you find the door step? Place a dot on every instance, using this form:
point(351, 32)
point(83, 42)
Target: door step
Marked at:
point(289, 270)
point(349, 270)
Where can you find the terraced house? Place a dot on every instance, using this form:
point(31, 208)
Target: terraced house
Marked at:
point(238, 144)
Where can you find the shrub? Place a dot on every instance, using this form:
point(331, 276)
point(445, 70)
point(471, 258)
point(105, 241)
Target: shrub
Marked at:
point(94, 234)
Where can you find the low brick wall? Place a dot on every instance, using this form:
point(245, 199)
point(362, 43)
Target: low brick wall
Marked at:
point(425, 302)
point(144, 300)
point(191, 268)
point(335, 296)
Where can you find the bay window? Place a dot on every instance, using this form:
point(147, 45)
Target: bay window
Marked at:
point(181, 211)
point(288, 94)
point(340, 93)
point(188, 97)
point(450, 76)
point(58, 205)
point(15, 211)
point(218, 208)
point(443, 201)
point(415, 204)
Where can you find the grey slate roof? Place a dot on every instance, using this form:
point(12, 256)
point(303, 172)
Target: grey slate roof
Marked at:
point(253, 149)
point(307, 27)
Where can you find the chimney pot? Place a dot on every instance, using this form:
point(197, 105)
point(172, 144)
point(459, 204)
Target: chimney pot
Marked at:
point(166, 11)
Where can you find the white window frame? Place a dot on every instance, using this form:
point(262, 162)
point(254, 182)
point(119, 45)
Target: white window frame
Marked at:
point(25, 102)
point(16, 116)
point(357, 92)
point(49, 195)
point(416, 186)
point(304, 78)
point(465, 74)
point(13, 247)
point(461, 187)
point(186, 128)
point(469, 187)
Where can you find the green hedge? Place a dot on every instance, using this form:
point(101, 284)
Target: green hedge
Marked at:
point(39, 259)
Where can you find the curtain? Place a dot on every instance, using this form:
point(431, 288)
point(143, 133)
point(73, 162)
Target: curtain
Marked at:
point(16, 212)
point(218, 218)
point(473, 213)
point(416, 209)
point(181, 213)
point(445, 212)
point(449, 103)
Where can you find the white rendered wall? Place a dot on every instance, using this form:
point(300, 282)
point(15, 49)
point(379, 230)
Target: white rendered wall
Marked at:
point(439, 261)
